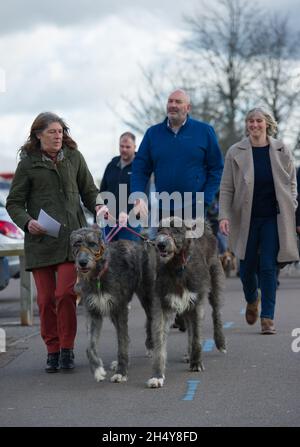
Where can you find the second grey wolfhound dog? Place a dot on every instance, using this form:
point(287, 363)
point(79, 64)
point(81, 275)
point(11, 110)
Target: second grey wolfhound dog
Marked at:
point(108, 276)
point(189, 271)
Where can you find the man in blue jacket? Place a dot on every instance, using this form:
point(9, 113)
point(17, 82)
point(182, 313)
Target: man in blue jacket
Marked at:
point(117, 174)
point(183, 154)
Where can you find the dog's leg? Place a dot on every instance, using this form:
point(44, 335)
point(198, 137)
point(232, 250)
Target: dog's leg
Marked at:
point(146, 304)
point(187, 355)
point(96, 364)
point(120, 321)
point(160, 327)
point(195, 317)
point(214, 297)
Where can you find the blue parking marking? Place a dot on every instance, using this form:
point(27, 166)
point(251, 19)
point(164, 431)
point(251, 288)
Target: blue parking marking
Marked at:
point(191, 389)
point(228, 324)
point(243, 311)
point(208, 345)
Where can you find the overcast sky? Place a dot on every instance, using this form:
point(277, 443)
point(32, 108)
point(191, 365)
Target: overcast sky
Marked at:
point(78, 57)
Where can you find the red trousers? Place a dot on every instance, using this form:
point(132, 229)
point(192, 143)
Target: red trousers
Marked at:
point(57, 305)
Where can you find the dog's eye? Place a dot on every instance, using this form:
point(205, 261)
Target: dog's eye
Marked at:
point(77, 244)
point(93, 245)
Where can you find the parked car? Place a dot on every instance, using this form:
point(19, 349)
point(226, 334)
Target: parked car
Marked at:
point(11, 237)
point(4, 186)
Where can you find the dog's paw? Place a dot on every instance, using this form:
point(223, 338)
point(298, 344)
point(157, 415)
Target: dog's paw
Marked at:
point(149, 353)
point(118, 378)
point(197, 367)
point(155, 382)
point(100, 374)
point(186, 358)
point(220, 343)
point(221, 347)
point(223, 350)
point(114, 365)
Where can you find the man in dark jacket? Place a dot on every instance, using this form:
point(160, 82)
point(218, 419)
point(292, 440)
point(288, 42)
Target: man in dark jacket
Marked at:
point(183, 154)
point(116, 180)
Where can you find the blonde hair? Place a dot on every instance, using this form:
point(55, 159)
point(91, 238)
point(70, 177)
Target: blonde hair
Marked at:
point(270, 120)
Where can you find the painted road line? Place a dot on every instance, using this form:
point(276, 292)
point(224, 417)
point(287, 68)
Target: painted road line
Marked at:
point(191, 389)
point(208, 345)
point(243, 311)
point(228, 324)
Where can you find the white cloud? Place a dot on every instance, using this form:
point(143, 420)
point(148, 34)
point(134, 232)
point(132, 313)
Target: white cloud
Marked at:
point(19, 15)
point(76, 57)
point(76, 72)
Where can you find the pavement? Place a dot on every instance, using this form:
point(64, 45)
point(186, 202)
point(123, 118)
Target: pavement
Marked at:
point(256, 384)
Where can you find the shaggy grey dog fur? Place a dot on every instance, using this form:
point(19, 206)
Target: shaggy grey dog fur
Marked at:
point(189, 271)
point(108, 276)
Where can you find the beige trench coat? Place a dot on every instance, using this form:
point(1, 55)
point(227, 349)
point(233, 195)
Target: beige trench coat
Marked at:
point(236, 193)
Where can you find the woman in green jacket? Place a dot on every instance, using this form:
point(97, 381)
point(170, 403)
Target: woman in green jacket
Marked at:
point(52, 175)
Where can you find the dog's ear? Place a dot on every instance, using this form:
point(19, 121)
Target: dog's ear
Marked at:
point(72, 235)
point(176, 222)
point(171, 222)
point(194, 228)
point(95, 227)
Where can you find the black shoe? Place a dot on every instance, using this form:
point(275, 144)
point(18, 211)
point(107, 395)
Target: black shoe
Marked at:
point(52, 363)
point(67, 359)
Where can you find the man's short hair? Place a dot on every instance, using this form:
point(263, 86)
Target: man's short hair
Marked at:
point(128, 135)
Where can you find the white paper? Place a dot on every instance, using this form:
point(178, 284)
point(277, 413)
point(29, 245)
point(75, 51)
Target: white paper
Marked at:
point(51, 225)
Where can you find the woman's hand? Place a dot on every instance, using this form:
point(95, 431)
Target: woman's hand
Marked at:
point(102, 211)
point(35, 228)
point(224, 226)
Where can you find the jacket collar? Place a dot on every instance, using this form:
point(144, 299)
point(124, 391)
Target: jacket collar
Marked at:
point(186, 122)
point(244, 156)
point(246, 144)
point(39, 160)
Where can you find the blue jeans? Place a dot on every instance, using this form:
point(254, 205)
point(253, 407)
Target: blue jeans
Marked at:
point(260, 259)
point(123, 233)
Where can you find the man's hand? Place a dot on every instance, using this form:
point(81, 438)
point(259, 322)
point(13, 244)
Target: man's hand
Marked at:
point(102, 211)
point(298, 230)
point(141, 208)
point(123, 217)
point(35, 228)
point(103, 215)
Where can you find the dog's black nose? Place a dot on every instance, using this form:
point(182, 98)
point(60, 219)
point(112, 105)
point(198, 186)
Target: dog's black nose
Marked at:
point(82, 262)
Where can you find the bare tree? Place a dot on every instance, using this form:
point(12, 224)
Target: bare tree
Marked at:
point(216, 70)
point(279, 74)
point(235, 57)
point(224, 41)
point(147, 107)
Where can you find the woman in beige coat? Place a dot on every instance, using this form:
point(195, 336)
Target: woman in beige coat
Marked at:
point(257, 211)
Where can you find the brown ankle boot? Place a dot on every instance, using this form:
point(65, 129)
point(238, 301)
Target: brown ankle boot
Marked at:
point(267, 326)
point(252, 312)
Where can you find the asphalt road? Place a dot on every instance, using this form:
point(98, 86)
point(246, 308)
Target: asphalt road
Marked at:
point(257, 383)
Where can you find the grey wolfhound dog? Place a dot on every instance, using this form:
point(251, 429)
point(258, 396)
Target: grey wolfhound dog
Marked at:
point(108, 276)
point(189, 270)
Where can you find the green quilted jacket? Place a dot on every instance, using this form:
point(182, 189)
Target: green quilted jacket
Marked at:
point(57, 189)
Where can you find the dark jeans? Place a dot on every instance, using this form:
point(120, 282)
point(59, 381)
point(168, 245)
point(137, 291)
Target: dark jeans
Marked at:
point(261, 255)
